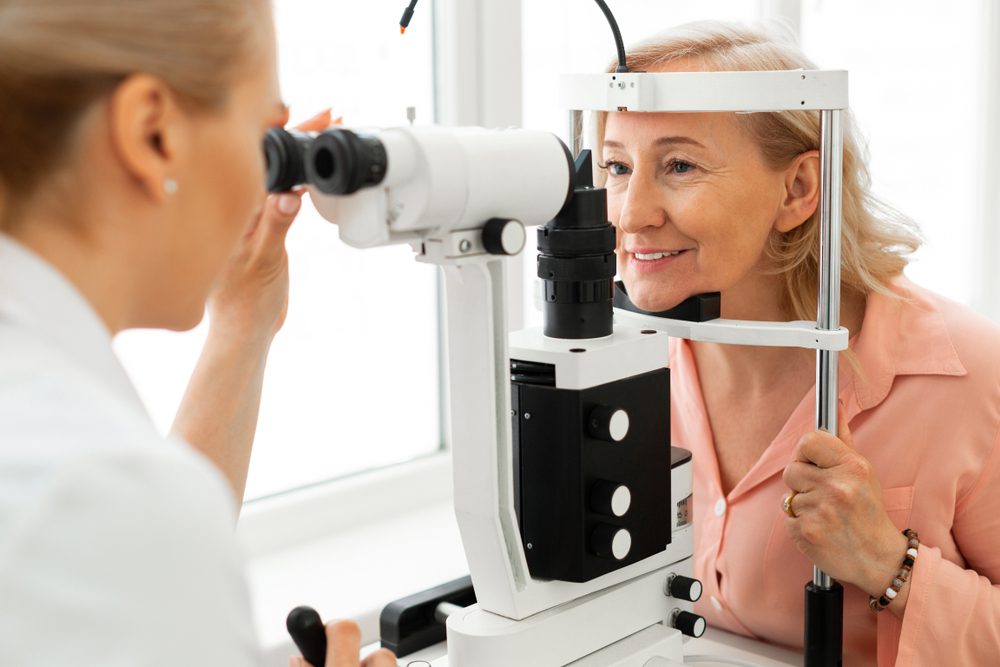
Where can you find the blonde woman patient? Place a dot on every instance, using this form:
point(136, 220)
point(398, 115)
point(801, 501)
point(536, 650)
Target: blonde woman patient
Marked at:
point(131, 195)
point(728, 203)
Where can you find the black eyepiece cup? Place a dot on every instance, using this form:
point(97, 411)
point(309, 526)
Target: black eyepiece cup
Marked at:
point(341, 162)
point(284, 154)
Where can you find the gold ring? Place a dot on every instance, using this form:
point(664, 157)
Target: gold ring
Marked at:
point(786, 505)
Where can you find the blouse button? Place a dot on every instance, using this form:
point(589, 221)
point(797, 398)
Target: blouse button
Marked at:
point(720, 507)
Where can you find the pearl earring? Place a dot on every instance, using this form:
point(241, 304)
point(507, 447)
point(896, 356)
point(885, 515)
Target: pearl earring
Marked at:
point(170, 186)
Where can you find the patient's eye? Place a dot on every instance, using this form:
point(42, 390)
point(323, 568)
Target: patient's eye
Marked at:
point(615, 168)
point(680, 167)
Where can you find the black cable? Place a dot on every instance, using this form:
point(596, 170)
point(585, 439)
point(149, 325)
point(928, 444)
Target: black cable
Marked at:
point(619, 44)
point(404, 22)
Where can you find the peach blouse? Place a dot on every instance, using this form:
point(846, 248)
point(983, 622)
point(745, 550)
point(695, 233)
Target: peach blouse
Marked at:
point(926, 413)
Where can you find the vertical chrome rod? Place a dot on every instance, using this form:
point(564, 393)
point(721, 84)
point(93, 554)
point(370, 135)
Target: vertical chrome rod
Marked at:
point(828, 316)
point(575, 132)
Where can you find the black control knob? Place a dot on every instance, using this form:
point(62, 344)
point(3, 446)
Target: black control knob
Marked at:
point(608, 423)
point(610, 498)
point(684, 588)
point(609, 541)
point(504, 237)
point(306, 628)
point(689, 624)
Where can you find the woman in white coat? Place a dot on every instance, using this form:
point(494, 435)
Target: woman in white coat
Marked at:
point(131, 195)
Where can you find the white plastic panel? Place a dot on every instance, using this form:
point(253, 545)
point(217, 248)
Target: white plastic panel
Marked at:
point(705, 91)
point(802, 334)
point(625, 353)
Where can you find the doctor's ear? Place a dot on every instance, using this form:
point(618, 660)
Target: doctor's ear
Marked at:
point(802, 189)
point(145, 123)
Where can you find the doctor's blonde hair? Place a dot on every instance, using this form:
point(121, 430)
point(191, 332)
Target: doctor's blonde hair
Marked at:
point(876, 240)
point(58, 57)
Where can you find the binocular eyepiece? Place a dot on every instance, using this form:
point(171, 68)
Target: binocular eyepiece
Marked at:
point(335, 162)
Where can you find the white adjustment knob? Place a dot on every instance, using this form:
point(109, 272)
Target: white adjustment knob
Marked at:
point(608, 423)
point(621, 501)
point(610, 498)
point(609, 541)
point(622, 544)
point(504, 237)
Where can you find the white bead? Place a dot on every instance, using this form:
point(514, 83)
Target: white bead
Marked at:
point(720, 507)
point(891, 594)
point(912, 553)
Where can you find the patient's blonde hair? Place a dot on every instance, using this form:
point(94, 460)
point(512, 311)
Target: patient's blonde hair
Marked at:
point(57, 57)
point(876, 240)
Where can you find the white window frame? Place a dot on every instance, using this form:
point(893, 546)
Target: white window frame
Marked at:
point(987, 297)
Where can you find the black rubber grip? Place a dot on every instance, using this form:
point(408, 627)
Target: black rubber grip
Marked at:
point(824, 626)
point(306, 628)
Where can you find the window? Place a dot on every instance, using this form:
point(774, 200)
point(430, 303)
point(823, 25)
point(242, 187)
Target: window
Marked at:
point(917, 75)
point(352, 381)
point(572, 36)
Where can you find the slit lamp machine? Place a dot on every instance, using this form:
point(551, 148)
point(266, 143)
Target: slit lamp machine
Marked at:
point(573, 508)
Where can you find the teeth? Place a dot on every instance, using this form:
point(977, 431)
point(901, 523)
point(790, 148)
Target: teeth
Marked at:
point(656, 255)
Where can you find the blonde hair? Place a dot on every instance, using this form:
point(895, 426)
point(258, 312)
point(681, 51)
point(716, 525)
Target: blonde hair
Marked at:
point(58, 57)
point(876, 240)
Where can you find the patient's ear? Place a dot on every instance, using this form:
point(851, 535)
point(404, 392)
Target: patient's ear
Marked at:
point(802, 185)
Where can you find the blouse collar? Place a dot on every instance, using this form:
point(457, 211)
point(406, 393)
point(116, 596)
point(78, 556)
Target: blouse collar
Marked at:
point(904, 333)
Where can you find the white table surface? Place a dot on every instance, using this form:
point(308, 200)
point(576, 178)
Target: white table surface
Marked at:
point(714, 643)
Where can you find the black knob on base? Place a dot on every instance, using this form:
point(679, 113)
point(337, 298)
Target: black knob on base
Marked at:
point(684, 588)
point(306, 628)
point(690, 624)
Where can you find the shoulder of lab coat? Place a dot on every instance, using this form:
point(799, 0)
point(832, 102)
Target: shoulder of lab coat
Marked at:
point(116, 547)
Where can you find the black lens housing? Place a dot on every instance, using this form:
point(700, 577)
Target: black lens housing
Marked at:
point(576, 262)
point(285, 154)
point(341, 162)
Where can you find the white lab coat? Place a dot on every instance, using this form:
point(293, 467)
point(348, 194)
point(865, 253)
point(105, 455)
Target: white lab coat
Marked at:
point(116, 545)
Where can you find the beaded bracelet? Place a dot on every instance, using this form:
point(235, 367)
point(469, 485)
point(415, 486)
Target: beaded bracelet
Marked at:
point(912, 544)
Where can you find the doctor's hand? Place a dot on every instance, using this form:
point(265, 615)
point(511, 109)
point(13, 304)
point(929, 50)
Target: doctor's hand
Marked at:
point(250, 299)
point(343, 648)
point(840, 520)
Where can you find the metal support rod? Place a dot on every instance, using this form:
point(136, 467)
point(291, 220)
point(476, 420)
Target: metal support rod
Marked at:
point(824, 596)
point(575, 132)
point(828, 306)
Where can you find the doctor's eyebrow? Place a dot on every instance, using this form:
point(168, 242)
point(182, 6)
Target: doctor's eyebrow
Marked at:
point(662, 141)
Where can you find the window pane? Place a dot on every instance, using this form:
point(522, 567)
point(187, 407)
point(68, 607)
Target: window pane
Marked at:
point(916, 71)
point(352, 380)
point(572, 36)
